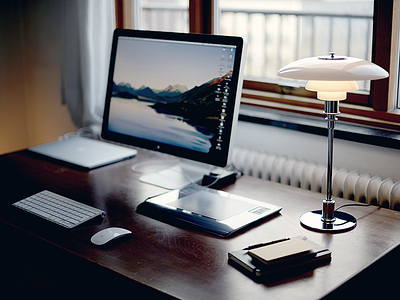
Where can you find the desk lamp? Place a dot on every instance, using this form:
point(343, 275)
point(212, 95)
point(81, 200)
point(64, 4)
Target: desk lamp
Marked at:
point(331, 77)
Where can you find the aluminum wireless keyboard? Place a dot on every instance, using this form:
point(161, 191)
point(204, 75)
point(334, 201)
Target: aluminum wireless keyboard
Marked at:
point(58, 209)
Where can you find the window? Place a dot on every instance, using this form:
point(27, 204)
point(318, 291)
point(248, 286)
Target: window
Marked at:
point(159, 15)
point(364, 32)
point(280, 32)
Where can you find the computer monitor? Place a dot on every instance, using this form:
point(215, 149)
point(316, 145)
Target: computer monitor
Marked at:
point(176, 93)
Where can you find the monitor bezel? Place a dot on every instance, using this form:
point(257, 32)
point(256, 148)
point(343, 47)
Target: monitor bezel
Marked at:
point(217, 158)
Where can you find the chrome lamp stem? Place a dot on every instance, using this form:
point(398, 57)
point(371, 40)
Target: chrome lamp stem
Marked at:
point(331, 111)
point(327, 219)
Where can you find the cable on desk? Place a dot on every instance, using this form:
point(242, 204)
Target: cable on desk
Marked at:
point(84, 131)
point(217, 178)
point(352, 204)
point(237, 171)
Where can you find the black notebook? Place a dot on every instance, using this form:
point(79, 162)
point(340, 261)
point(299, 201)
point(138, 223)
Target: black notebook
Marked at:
point(289, 263)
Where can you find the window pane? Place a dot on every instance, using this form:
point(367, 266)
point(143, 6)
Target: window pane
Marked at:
point(282, 31)
point(162, 15)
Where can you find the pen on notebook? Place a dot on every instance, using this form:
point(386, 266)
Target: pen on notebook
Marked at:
point(266, 244)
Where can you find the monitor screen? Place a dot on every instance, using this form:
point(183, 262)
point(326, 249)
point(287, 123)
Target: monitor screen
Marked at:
point(175, 93)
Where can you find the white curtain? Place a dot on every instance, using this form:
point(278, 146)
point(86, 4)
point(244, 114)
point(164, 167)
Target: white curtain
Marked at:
point(87, 35)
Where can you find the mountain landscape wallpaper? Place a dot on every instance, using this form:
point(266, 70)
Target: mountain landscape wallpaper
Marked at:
point(197, 105)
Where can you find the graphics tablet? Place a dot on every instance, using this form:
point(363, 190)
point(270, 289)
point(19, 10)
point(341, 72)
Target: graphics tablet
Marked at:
point(214, 211)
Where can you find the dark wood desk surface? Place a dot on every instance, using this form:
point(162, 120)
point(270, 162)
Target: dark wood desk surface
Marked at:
point(162, 259)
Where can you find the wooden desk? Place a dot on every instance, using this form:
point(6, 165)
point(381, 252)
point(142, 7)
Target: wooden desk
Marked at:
point(166, 261)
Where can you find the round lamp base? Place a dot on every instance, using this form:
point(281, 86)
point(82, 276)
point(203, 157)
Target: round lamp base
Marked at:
point(313, 220)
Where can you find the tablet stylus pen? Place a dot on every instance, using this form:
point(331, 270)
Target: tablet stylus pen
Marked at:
point(266, 244)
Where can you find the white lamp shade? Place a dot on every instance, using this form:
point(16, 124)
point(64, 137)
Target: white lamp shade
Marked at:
point(331, 90)
point(337, 69)
point(331, 86)
point(331, 96)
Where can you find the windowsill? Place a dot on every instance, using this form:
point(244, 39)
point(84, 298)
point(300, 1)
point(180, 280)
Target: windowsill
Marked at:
point(316, 125)
point(359, 115)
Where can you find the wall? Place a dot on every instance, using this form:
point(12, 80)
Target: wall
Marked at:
point(31, 111)
point(365, 158)
point(13, 123)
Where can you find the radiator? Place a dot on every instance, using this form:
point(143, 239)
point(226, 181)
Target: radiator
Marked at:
point(347, 184)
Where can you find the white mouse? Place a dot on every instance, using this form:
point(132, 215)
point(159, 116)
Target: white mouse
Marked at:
point(109, 234)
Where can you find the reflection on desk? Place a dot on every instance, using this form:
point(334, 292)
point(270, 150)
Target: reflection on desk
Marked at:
point(167, 261)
